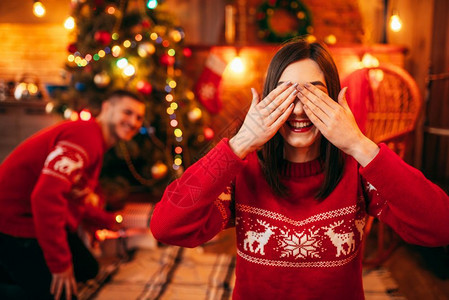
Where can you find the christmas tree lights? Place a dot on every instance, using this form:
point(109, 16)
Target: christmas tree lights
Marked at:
point(135, 45)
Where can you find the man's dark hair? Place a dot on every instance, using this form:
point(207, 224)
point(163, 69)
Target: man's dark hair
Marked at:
point(116, 94)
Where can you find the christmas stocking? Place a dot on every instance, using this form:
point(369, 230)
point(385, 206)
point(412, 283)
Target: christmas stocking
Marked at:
point(207, 86)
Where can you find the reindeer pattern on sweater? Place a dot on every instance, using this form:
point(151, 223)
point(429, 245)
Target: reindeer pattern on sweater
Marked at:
point(270, 238)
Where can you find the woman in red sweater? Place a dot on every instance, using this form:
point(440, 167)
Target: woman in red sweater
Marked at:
point(297, 181)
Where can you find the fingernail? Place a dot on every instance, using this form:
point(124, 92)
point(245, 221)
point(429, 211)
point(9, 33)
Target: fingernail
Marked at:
point(307, 84)
point(301, 87)
point(287, 82)
point(295, 92)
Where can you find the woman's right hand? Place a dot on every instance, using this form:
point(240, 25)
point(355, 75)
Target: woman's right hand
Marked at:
point(264, 118)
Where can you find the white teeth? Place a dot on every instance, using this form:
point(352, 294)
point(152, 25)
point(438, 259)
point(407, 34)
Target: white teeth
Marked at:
point(299, 124)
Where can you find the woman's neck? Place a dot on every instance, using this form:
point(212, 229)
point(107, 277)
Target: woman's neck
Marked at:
point(301, 154)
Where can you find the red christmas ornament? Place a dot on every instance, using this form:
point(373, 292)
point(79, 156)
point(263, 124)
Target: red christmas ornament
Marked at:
point(102, 37)
point(187, 52)
point(144, 87)
point(208, 133)
point(72, 48)
point(167, 60)
point(146, 23)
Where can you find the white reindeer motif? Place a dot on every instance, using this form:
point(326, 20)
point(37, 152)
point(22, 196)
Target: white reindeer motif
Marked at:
point(340, 239)
point(261, 238)
point(58, 151)
point(360, 225)
point(67, 165)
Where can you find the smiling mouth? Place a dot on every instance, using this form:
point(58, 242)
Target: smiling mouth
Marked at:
point(299, 124)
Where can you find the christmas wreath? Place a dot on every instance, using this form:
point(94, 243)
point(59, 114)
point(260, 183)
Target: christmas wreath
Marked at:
point(281, 20)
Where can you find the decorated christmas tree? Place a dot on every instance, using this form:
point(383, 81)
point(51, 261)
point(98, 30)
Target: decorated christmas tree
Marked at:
point(135, 45)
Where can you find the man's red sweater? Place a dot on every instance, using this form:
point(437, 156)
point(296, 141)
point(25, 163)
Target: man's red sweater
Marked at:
point(44, 183)
point(299, 247)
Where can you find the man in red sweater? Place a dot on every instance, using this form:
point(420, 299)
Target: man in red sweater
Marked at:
point(45, 187)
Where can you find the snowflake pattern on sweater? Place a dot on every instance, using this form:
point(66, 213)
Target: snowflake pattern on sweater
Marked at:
point(274, 237)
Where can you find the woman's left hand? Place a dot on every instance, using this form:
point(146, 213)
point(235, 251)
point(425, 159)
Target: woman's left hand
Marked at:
point(337, 123)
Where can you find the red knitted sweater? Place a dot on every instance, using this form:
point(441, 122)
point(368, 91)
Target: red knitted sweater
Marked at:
point(298, 247)
point(44, 183)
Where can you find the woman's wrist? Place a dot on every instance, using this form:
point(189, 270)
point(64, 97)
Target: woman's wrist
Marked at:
point(238, 148)
point(365, 151)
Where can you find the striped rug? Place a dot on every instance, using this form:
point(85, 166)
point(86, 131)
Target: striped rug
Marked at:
point(172, 273)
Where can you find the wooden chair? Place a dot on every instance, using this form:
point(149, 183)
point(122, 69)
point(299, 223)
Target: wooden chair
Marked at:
point(391, 105)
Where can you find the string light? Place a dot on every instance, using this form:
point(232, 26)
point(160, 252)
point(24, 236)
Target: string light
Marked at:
point(237, 65)
point(69, 23)
point(38, 9)
point(129, 70)
point(85, 115)
point(122, 63)
point(395, 22)
point(151, 4)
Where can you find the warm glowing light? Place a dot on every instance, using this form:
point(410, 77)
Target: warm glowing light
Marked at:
point(330, 39)
point(68, 113)
point(237, 65)
point(71, 58)
point(172, 84)
point(154, 36)
point(178, 161)
point(127, 44)
point(88, 57)
point(38, 9)
point(178, 132)
point(49, 107)
point(208, 133)
point(194, 114)
point(74, 117)
point(369, 61)
point(395, 23)
point(190, 95)
point(138, 37)
point(69, 23)
point(171, 52)
point(174, 105)
point(116, 50)
point(119, 218)
point(169, 98)
point(85, 115)
point(122, 63)
point(170, 111)
point(178, 150)
point(173, 123)
point(32, 88)
point(101, 53)
point(129, 70)
point(151, 4)
point(110, 10)
point(115, 36)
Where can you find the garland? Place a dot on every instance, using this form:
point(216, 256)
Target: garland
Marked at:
point(298, 13)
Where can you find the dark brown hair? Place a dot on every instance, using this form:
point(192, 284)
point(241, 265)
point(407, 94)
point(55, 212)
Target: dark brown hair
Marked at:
point(118, 94)
point(271, 154)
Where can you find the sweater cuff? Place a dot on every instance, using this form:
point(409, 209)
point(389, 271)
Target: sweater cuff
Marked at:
point(224, 143)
